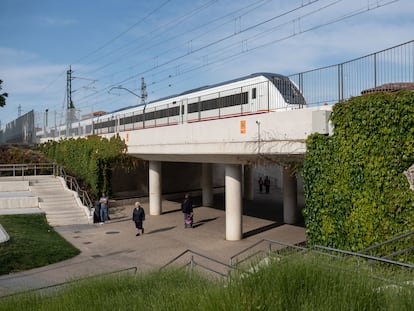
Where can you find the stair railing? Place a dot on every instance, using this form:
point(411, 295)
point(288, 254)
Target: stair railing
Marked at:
point(73, 185)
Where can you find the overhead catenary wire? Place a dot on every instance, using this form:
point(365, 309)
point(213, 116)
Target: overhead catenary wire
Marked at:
point(293, 34)
point(212, 43)
point(214, 59)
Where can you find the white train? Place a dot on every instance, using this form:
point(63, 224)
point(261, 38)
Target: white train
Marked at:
point(253, 94)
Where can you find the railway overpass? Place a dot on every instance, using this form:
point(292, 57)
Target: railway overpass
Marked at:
point(240, 143)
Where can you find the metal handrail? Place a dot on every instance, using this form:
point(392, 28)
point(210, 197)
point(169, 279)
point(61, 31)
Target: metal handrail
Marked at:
point(399, 237)
point(368, 257)
point(270, 242)
point(72, 184)
point(193, 263)
point(25, 169)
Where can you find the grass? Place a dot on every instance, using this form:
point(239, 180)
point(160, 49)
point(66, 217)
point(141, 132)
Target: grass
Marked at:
point(306, 281)
point(33, 243)
point(297, 282)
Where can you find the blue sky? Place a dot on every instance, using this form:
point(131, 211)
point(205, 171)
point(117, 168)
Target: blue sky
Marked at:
point(177, 45)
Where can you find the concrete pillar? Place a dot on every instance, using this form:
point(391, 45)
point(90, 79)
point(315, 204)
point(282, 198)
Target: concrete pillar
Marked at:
point(248, 183)
point(234, 212)
point(290, 201)
point(155, 188)
point(207, 184)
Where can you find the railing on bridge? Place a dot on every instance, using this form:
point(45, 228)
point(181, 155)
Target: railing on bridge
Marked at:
point(335, 83)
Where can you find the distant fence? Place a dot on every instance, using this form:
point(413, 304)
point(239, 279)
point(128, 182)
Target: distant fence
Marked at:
point(383, 70)
point(329, 85)
point(20, 130)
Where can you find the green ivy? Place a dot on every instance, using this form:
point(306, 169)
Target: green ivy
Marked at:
point(356, 194)
point(90, 159)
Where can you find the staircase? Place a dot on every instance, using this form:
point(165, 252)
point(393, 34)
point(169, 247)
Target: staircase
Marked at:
point(61, 205)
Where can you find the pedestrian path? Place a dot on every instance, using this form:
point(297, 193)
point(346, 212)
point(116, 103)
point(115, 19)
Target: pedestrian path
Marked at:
point(113, 246)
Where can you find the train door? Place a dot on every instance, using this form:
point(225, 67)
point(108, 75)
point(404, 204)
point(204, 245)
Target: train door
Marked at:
point(183, 110)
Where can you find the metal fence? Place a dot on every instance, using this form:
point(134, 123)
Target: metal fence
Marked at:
point(329, 85)
point(20, 130)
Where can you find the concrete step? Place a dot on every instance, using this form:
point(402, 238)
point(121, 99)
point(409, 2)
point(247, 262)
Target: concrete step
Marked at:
point(65, 215)
point(51, 209)
point(59, 203)
point(67, 221)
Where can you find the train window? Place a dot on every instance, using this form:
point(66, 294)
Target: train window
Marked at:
point(254, 93)
point(209, 104)
point(175, 111)
point(234, 100)
point(192, 108)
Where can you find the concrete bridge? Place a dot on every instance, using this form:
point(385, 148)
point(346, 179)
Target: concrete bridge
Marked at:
point(240, 143)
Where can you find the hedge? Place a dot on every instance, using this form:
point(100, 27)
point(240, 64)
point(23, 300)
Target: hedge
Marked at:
point(356, 193)
point(90, 159)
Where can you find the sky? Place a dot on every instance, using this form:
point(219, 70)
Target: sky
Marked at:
point(176, 45)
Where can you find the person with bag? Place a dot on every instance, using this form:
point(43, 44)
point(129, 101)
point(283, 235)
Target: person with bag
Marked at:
point(187, 209)
point(138, 216)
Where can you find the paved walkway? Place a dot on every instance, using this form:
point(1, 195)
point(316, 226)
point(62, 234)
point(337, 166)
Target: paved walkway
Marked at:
point(113, 246)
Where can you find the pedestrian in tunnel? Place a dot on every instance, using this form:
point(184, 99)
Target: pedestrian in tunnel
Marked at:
point(187, 209)
point(267, 184)
point(260, 182)
point(138, 216)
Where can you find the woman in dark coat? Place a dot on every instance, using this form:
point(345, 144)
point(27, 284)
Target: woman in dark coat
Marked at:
point(187, 209)
point(138, 216)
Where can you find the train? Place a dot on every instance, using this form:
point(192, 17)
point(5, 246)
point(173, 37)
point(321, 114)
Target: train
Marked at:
point(253, 94)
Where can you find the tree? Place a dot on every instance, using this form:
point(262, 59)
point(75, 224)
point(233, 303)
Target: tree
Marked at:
point(2, 96)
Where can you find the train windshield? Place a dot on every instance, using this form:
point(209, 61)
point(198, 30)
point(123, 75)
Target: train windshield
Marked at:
point(289, 91)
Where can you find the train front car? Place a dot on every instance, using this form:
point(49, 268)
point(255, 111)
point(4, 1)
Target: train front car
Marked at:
point(284, 94)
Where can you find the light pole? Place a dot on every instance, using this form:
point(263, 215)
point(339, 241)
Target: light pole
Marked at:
point(143, 96)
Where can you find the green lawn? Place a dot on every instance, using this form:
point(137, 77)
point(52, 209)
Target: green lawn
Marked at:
point(33, 243)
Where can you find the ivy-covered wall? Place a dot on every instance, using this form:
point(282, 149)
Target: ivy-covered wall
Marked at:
point(90, 159)
point(356, 194)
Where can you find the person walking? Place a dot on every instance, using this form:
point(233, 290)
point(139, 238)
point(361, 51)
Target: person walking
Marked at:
point(260, 181)
point(138, 216)
point(187, 209)
point(103, 212)
point(267, 184)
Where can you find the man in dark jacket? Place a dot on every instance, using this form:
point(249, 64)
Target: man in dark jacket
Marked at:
point(138, 216)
